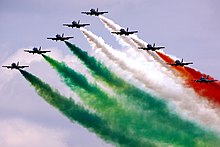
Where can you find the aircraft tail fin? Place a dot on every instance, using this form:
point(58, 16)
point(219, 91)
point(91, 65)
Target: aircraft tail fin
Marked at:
point(78, 21)
point(182, 61)
point(17, 63)
point(127, 29)
point(40, 48)
point(62, 34)
point(97, 10)
point(154, 45)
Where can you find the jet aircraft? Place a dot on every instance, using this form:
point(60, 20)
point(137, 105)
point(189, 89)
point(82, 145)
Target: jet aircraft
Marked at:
point(76, 24)
point(60, 38)
point(205, 80)
point(124, 32)
point(36, 50)
point(94, 12)
point(15, 66)
point(180, 63)
point(151, 48)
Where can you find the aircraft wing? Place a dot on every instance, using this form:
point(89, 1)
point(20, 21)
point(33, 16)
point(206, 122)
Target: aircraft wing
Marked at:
point(158, 48)
point(28, 51)
point(132, 32)
point(210, 81)
point(83, 25)
point(44, 51)
point(22, 66)
point(53, 38)
point(102, 12)
point(41, 52)
point(187, 63)
point(149, 49)
point(144, 48)
point(8, 66)
point(118, 33)
point(66, 38)
point(68, 25)
point(87, 13)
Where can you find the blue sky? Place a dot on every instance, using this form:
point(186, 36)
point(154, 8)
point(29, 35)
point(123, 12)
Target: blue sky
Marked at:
point(189, 29)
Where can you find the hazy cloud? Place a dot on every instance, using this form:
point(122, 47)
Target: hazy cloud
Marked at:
point(21, 133)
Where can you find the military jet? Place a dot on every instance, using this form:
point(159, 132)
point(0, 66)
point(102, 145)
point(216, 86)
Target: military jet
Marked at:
point(205, 80)
point(36, 50)
point(76, 24)
point(151, 48)
point(94, 12)
point(15, 66)
point(124, 32)
point(180, 63)
point(60, 38)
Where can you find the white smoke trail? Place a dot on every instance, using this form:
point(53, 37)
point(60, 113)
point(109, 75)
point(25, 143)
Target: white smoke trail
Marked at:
point(134, 42)
point(117, 57)
point(124, 40)
point(184, 100)
point(141, 43)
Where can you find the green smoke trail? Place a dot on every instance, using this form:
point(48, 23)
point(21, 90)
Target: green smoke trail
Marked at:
point(140, 97)
point(101, 72)
point(75, 112)
point(130, 122)
point(98, 100)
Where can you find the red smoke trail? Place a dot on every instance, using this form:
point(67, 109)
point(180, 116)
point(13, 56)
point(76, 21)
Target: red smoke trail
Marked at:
point(211, 90)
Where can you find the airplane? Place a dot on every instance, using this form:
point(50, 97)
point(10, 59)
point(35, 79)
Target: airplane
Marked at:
point(76, 25)
point(60, 38)
point(151, 48)
point(15, 66)
point(36, 50)
point(205, 80)
point(180, 63)
point(94, 12)
point(124, 32)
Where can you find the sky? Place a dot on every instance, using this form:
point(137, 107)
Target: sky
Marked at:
point(188, 29)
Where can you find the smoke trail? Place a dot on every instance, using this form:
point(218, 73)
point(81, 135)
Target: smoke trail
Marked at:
point(134, 42)
point(186, 102)
point(102, 73)
point(168, 71)
point(75, 112)
point(137, 96)
point(77, 82)
point(126, 41)
point(117, 57)
point(167, 59)
point(123, 40)
point(132, 122)
point(95, 98)
point(210, 91)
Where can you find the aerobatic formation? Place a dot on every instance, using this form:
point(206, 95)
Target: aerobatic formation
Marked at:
point(143, 111)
